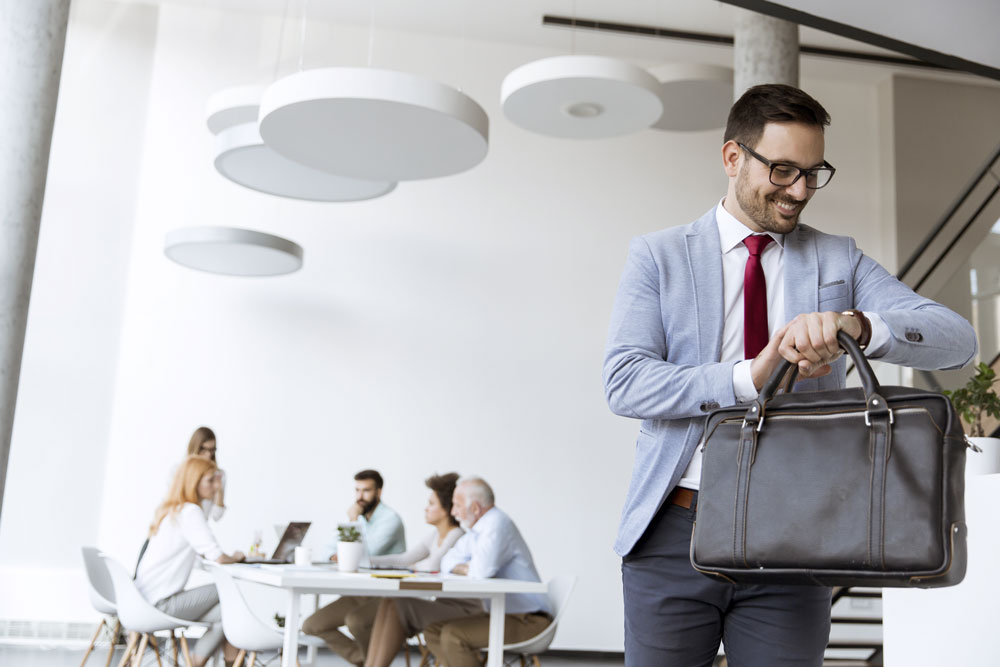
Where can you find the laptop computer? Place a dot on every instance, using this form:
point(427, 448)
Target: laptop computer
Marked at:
point(285, 551)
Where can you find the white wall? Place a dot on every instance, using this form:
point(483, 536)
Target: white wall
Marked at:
point(456, 324)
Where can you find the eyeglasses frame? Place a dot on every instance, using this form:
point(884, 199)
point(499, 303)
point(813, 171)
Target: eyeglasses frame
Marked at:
point(772, 165)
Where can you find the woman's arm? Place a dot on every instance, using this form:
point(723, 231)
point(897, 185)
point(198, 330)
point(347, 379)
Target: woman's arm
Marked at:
point(407, 558)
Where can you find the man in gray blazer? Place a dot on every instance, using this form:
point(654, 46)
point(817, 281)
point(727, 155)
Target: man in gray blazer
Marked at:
point(702, 317)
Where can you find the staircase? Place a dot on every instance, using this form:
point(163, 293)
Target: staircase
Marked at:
point(856, 628)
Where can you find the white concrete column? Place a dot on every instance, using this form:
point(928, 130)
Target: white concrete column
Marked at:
point(32, 38)
point(765, 50)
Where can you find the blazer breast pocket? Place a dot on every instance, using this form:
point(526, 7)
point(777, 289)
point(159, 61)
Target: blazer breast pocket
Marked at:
point(833, 296)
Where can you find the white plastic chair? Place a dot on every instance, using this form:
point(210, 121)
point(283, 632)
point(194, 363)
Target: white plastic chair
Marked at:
point(560, 589)
point(102, 597)
point(141, 617)
point(243, 629)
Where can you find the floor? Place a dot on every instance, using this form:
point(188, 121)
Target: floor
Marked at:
point(38, 656)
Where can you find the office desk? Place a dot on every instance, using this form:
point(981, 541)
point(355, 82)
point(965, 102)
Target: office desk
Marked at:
point(320, 579)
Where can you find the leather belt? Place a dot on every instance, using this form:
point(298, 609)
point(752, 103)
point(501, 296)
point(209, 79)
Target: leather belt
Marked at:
point(683, 497)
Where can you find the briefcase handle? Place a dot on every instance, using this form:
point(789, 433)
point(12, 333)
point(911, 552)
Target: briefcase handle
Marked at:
point(876, 404)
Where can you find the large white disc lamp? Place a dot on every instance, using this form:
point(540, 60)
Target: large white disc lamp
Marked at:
point(695, 96)
point(233, 252)
point(233, 106)
point(373, 124)
point(581, 97)
point(243, 157)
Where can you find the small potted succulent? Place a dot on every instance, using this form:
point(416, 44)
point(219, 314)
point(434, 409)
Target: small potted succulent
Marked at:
point(974, 401)
point(349, 547)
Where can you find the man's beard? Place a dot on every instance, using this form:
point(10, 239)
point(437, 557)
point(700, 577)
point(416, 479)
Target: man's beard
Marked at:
point(759, 209)
point(366, 508)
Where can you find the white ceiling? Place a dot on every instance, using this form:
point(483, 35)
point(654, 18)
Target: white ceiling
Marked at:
point(520, 22)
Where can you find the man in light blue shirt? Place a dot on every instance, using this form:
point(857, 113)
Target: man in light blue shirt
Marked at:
point(491, 547)
point(383, 534)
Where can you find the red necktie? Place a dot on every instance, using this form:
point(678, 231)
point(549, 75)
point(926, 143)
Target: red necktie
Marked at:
point(754, 298)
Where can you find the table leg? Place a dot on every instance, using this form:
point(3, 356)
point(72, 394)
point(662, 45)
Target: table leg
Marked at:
point(311, 650)
point(291, 646)
point(498, 606)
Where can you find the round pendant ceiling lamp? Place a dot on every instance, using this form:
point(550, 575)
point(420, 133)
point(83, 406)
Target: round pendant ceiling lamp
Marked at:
point(695, 97)
point(233, 106)
point(581, 97)
point(373, 124)
point(233, 252)
point(243, 157)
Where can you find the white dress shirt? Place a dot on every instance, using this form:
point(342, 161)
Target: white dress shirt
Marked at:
point(734, 259)
point(493, 547)
point(172, 551)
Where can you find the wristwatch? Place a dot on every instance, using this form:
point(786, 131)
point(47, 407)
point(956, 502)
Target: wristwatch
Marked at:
point(866, 326)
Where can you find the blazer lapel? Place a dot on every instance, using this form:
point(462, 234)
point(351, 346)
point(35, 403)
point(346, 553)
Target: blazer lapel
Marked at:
point(705, 266)
point(801, 273)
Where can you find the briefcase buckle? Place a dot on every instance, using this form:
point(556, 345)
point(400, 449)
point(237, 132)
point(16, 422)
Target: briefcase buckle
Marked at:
point(868, 421)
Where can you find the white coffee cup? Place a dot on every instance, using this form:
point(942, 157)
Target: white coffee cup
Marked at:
point(303, 556)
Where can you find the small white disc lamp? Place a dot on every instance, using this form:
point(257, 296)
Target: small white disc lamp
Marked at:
point(695, 97)
point(373, 124)
point(233, 252)
point(581, 97)
point(233, 106)
point(243, 157)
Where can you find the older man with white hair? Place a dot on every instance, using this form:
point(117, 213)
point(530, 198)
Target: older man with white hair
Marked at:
point(456, 629)
point(491, 547)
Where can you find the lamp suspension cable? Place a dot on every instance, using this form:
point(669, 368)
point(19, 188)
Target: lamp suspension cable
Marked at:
point(302, 33)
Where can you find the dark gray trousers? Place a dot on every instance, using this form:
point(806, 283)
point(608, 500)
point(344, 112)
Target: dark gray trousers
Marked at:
point(677, 617)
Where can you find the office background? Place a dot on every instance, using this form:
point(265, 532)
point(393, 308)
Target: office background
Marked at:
point(455, 324)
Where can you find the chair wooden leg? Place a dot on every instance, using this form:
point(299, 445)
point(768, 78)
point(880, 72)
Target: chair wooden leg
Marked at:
point(114, 640)
point(535, 661)
point(239, 658)
point(173, 645)
point(184, 649)
point(253, 659)
point(93, 641)
point(524, 661)
point(140, 654)
point(156, 650)
point(133, 638)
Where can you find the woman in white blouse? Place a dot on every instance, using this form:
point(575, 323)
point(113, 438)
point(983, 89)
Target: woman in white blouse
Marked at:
point(178, 535)
point(203, 444)
point(358, 613)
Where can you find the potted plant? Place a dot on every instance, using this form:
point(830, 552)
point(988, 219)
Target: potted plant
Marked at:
point(349, 547)
point(974, 401)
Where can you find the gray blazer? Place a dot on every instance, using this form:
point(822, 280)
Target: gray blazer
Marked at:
point(665, 340)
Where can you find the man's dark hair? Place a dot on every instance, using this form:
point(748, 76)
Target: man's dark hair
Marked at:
point(771, 103)
point(370, 474)
point(443, 487)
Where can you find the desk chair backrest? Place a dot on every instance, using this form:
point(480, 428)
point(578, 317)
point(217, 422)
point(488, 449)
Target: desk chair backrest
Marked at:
point(243, 629)
point(135, 613)
point(560, 590)
point(99, 586)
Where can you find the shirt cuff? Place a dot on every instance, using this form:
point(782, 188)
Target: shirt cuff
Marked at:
point(879, 342)
point(743, 385)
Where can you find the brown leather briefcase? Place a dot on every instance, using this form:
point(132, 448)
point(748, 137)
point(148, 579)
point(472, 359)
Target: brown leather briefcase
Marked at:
point(853, 487)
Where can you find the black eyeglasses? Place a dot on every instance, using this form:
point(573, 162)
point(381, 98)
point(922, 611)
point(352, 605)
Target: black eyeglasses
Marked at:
point(784, 175)
point(209, 450)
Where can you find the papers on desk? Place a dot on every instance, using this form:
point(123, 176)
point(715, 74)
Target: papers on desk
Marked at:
point(392, 574)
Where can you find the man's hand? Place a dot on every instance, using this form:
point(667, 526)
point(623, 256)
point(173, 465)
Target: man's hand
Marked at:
point(809, 340)
point(461, 568)
point(354, 511)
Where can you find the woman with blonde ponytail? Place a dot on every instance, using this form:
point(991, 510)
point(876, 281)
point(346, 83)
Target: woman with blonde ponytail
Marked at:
point(178, 535)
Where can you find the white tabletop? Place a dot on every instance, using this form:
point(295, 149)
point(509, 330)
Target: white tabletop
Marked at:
point(327, 579)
